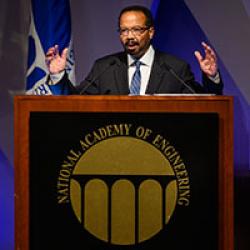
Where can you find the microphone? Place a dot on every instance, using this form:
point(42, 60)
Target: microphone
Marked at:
point(91, 82)
point(173, 73)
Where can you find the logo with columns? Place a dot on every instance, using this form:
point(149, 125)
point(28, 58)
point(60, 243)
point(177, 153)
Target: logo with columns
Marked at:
point(124, 190)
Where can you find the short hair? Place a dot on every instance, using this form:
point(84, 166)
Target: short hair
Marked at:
point(139, 8)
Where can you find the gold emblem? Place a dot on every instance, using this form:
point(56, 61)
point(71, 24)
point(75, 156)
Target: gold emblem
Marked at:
point(124, 189)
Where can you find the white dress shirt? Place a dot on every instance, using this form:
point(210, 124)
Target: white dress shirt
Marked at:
point(145, 68)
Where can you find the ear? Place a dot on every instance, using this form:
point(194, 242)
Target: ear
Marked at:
point(151, 32)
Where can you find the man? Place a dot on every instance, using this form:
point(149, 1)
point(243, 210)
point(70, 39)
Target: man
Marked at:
point(140, 69)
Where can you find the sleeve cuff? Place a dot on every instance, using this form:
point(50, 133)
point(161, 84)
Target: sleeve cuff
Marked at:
point(216, 78)
point(55, 78)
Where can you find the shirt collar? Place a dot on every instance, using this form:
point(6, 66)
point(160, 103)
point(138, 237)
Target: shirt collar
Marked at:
point(146, 59)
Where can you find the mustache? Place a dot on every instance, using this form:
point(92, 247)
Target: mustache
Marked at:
point(131, 42)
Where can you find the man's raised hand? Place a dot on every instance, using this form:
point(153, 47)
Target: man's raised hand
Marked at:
point(208, 63)
point(55, 62)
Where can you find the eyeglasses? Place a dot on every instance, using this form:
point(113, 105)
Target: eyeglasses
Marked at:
point(137, 31)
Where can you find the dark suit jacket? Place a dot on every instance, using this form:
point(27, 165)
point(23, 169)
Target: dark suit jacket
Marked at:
point(109, 75)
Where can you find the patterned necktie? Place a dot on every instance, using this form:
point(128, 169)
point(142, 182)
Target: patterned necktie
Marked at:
point(136, 80)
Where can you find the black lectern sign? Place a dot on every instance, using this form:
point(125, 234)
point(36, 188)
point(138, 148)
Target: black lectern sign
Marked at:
point(123, 181)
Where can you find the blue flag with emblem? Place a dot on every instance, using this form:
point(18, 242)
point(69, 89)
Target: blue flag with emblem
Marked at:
point(50, 24)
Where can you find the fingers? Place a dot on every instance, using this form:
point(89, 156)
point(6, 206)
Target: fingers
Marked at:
point(209, 52)
point(198, 56)
point(52, 51)
point(53, 54)
point(56, 53)
point(208, 63)
point(64, 53)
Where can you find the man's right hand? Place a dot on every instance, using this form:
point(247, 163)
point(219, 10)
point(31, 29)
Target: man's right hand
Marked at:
point(55, 62)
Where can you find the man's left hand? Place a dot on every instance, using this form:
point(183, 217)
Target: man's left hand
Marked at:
point(208, 63)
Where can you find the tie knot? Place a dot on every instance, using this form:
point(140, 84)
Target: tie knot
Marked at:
point(137, 64)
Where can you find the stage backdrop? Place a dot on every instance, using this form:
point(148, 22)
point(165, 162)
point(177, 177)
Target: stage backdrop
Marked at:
point(224, 23)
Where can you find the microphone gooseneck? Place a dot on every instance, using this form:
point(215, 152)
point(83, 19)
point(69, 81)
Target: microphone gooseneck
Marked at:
point(173, 73)
point(92, 81)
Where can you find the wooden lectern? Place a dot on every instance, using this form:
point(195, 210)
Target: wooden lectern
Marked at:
point(75, 154)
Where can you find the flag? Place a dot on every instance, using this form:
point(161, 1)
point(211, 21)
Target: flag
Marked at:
point(50, 24)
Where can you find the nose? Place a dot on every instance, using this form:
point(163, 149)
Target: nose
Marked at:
point(130, 34)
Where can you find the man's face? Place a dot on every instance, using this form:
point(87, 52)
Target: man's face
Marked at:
point(134, 35)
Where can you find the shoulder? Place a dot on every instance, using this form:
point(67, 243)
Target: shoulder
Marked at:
point(112, 58)
point(171, 60)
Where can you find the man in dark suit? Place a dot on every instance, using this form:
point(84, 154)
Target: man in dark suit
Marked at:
point(140, 69)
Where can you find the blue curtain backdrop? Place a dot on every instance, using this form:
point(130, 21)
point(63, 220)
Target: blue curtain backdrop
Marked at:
point(179, 33)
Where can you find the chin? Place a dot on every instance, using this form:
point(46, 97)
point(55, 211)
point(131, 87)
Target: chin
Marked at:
point(132, 52)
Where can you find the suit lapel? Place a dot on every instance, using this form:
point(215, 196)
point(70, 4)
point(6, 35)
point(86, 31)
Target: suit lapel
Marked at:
point(121, 74)
point(156, 75)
